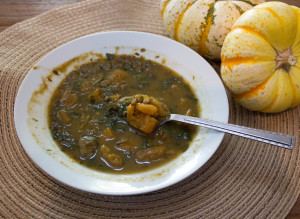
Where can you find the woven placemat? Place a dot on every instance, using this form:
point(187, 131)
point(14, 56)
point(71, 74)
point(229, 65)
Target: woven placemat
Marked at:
point(244, 178)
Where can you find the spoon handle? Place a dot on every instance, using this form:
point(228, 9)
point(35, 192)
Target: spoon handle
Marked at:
point(278, 139)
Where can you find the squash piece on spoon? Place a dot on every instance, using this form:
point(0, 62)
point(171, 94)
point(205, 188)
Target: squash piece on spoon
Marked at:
point(143, 112)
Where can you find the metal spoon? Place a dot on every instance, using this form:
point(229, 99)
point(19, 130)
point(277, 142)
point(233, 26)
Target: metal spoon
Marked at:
point(278, 139)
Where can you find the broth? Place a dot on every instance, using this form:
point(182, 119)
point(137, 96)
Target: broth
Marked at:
point(86, 126)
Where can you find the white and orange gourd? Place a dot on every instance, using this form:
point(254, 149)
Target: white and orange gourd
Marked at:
point(261, 58)
point(203, 24)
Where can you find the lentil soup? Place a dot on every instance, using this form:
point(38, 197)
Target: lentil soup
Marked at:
point(85, 124)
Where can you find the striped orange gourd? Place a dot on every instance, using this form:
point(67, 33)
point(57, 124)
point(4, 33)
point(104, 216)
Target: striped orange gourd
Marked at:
point(203, 24)
point(260, 58)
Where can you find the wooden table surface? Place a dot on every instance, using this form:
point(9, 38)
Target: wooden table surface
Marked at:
point(13, 11)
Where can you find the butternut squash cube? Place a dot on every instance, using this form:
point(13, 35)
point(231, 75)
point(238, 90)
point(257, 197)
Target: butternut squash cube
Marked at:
point(141, 121)
point(147, 109)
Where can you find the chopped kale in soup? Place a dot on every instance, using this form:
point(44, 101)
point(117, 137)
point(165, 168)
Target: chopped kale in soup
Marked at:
point(85, 120)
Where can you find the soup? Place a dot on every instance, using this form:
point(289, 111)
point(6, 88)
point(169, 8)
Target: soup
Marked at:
point(86, 124)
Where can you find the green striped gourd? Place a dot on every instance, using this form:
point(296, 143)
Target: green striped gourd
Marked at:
point(203, 24)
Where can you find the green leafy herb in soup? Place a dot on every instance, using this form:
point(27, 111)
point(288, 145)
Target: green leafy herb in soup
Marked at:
point(85, 120)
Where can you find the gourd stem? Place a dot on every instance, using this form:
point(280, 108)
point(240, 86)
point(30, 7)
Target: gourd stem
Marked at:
point(286, 59)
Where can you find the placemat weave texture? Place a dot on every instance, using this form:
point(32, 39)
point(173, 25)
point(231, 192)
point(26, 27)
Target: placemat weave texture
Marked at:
point(244, 179)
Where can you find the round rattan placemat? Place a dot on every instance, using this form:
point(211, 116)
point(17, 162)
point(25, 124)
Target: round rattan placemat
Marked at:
point(244, 179)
